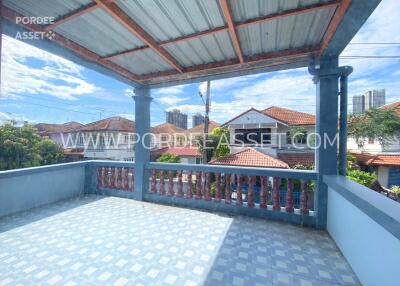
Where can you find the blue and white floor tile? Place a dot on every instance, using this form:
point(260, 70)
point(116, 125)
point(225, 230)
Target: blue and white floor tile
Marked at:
point(96, 240)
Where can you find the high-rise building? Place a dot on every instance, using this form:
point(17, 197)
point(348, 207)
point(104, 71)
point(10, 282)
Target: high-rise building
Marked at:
point(177, 118)
point(375, 98)
point(358, 104)
point(197, 119)
point(370, 99)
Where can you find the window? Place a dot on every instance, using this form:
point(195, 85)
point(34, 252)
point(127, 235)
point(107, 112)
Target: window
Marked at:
point(253, 136)
point(371, 140)
point(81, 137)
point(126, 139)
point(288, 138)
point(300, 138)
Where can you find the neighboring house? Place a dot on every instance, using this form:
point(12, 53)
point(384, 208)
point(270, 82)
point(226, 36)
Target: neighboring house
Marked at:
point(384, 160)
point(371, 145)
point(270, 131)
point(386, 166)
point(111, 138)
point(167, 135)
point(58, 132)
point(197, 131)
point(188, 154)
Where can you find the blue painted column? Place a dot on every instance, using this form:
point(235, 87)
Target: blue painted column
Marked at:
point(326, 79)
point(142, 152)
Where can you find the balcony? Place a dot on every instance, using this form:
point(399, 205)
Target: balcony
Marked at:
point(76, 223)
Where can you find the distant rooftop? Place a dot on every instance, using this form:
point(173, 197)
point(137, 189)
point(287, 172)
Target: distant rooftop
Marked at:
point(47, 128)
point(116, 123)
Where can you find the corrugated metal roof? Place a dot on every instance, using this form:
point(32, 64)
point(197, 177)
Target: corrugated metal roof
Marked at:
point(165, 20)
point(205, 49)
point(247, 9)
point(45, 8)
point(142, 62)
point(284, 33)
point(100, 33)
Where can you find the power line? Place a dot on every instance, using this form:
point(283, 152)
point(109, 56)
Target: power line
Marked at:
point(375, 43)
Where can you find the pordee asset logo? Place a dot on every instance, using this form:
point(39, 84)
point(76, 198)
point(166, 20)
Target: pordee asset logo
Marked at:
point(35, 35)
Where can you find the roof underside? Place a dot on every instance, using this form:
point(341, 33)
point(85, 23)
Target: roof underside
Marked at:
point(155, 42)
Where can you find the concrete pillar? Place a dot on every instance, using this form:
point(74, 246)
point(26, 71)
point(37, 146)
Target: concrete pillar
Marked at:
point(326, 79)
point(142, 148)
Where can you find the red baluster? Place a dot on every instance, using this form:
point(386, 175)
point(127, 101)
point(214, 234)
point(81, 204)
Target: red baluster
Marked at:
point(218, 193)
point(153, 187)
point(119, 178)
point(239, 199)
point(207, 184)
point(109, 178)
point(228, 192)
point(170, 183)
point(180, 186)
point(162, 184)
point(198, 186)
point(103, 177)
point(126, 179)
point(289, 206)
point(131, 179)
point(112, 179)
point(276, 200)
point(250, 191)
point(303, 197)
point(263, 193)
point(189, 192)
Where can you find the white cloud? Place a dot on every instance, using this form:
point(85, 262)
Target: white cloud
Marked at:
point(170, 90)
point(50, 74)
point(171, 99)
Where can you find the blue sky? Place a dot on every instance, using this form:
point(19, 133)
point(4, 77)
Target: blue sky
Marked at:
point(41, 87)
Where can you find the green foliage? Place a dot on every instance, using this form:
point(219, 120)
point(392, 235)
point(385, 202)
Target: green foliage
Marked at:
point(22, 147)
point(217, 143)
point(299, 134)
point(395, 190)
point(361, 177)
point(382, 124)
point(168, 158)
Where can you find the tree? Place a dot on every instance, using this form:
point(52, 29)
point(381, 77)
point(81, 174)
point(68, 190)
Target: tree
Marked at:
point(22, 147)
point(217, 143)
point(168, 158)
point(382, 124)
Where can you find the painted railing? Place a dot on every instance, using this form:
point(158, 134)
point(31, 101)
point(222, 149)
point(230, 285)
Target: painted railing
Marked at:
point(111, 176)
point(251, 189)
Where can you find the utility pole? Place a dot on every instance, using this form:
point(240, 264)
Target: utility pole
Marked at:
point(206, 121)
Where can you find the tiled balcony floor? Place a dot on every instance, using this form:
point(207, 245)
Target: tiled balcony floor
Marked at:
point(98, 240)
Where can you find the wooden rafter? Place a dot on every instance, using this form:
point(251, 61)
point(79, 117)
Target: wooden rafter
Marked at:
point(334, 24)
point(231, 28)
point(12, 15)
point(63, 19)
point(227, 66)
point(287, 13)
point(126, 21)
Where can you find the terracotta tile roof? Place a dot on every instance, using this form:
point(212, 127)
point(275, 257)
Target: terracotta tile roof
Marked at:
point(74, 152)
point(167, 128)
point(394, 105)
point(45, 128)
point(179, 151)
point(377, 159)
point(116, 123)
point(289, 117)
point(250, 157)
point(200, 128)
point(293, 159)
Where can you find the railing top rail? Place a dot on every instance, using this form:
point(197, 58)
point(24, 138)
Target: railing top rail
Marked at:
point(109, 163)
point(39, 169)
point(282, 173)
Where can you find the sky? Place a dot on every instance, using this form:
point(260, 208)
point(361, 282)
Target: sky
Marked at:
point(40, 87)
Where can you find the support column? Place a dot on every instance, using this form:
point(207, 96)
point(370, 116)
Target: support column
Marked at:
point(142, 147)
point(326, 78)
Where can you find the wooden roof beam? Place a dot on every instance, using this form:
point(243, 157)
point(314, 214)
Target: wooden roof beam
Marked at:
point(334, 24)
point(287, 13)
point(126, 21)
point(231, 28)
point(63, 19)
